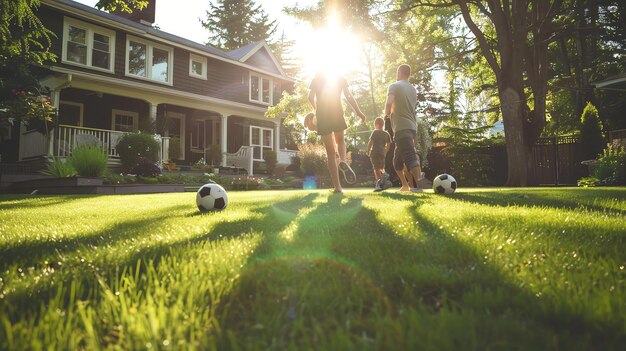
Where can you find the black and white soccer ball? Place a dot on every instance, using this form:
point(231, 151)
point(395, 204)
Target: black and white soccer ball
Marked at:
point(211, 197)
point(444, 184)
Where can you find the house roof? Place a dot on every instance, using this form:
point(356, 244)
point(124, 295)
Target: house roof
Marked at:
point(617, 82)
point(237, 54)
point(136, 28)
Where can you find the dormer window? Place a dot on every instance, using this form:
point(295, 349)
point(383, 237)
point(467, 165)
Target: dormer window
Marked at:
point(147, 60)
point(88, 45)
point(261, 89)
point(197, 66)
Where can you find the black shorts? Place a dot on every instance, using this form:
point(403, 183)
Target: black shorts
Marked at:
point(329, 123)
point(378, 161)
point(405, 152)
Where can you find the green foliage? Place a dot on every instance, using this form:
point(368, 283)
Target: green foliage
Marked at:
point(506, 269)
point(145, 168)
point(133, 146)
point(587, 182)
point(611, 165)
point(127, 6)
point(591, 131)
point(236, 23)
point(313, 159)
point(89, 161)
point(467, 149)
point(60, 168)
point(270, 157)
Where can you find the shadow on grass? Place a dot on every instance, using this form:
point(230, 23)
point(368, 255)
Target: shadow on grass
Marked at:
point(35, 252)
point(575, 201)
point(343, 275)
point(36, 202)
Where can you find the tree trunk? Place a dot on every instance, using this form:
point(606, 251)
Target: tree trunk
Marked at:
point(519, 153)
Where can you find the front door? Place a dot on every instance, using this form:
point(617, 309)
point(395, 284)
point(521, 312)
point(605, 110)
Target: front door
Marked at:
point(175, 130)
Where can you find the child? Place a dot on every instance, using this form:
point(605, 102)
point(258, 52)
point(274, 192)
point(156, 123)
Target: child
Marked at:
point(377, 148)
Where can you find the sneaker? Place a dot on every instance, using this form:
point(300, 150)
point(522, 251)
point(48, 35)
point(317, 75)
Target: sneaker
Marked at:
point(378, 187)
point(417, 190)
point(348, 173)
point(384, 179)
point(422, 176)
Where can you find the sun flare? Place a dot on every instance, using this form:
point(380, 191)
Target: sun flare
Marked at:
point(331, 50)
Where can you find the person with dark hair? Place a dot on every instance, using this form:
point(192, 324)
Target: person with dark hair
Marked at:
point(325, 97)
point(400, 108)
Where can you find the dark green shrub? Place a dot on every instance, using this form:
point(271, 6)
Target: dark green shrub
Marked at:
point(145, 168)
point(271, 159)
point(89, 161)
point(611, 165)
point(215, 152)
point(591, 132)
point(313, 159)
point(60, 168)
point(133, 146)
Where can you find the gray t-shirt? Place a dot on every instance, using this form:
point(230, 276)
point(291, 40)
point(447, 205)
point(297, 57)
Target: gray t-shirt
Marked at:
point(404, 102)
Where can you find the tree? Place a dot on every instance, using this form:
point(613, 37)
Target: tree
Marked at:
point(236, 23)
point(121, 5)
point(591, 132)
point(513, 36)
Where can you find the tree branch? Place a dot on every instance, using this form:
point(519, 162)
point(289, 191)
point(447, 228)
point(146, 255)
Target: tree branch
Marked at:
point(482, 41)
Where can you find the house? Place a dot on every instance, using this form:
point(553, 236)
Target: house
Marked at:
point(115, 74)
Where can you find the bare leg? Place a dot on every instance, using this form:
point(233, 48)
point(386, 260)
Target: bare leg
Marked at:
point(329, 143)
point(405, 184)
point(378, 173)
point(341, 145)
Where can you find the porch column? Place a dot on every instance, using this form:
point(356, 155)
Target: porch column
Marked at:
point(153, 115)
point(55, 96)
point(223, 136)
point(277, 136)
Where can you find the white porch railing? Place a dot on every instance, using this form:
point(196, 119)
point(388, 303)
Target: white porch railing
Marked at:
point(284, 156)
point(66, 138)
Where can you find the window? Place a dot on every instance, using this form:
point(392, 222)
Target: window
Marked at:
point(88, 45)
point(125, 121)
point(70, 113)
point(260, 89)
point(148, 61)
point(261, 139)
point(197, 66)
point(197, 135)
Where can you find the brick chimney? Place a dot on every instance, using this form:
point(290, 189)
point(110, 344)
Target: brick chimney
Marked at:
point(145, 16)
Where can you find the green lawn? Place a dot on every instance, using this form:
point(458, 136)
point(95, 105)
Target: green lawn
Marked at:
point(483, 269)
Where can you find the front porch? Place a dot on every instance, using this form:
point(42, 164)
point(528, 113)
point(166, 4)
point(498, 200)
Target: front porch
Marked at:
point(187, 133)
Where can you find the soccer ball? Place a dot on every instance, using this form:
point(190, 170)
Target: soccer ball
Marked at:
point(310, 122)
point(211, 197)
point(444, 184)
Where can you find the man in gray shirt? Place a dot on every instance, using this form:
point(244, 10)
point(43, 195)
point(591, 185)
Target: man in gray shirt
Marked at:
point(400, 107)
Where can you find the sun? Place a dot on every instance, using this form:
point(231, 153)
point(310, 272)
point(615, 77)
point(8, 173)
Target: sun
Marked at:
point(331, 50)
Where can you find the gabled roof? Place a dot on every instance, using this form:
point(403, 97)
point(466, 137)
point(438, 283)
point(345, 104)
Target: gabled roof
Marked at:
point(147, 31)
point(237, 54)
point(246, 52)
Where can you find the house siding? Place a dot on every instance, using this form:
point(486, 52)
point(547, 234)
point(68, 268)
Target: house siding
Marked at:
point(224, 80)
point(263, 60)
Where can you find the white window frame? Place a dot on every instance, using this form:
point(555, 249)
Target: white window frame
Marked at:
point(259, 98)
point(90, 29)
point(80, 106)
point(261, 129)
point(135, 116)
point(150, 46)
point(203, 61)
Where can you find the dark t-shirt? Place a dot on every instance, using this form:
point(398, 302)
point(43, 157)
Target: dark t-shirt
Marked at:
point(379, 139)
point(328, 95)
